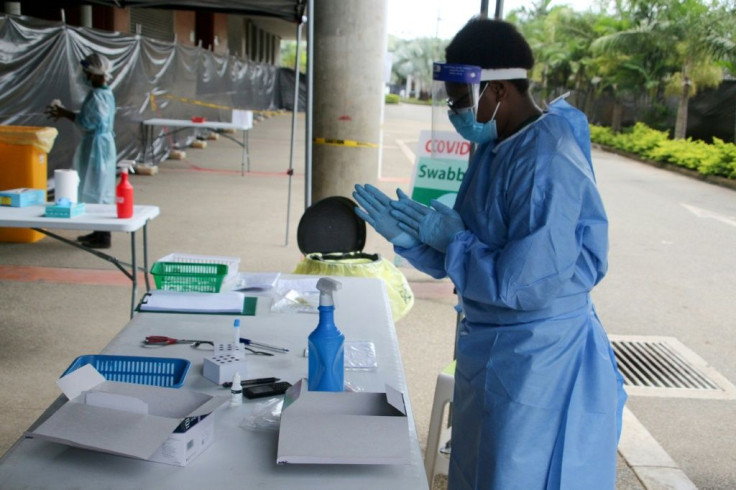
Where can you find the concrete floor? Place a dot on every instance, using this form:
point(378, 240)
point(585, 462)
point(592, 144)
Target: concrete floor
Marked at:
point(59, 302)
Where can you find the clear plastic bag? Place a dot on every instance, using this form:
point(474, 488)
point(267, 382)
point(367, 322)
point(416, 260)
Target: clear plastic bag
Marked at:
point(293, 301)
point(264, 414)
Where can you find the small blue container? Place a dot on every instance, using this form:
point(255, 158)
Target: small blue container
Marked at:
point(155, 371)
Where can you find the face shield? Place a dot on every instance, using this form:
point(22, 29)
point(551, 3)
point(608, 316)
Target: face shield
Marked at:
point(454, 89)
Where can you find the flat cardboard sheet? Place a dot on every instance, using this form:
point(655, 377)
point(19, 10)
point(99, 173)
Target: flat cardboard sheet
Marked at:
point(116, 430)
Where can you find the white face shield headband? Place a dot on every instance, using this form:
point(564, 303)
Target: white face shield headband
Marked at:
point(465, 122)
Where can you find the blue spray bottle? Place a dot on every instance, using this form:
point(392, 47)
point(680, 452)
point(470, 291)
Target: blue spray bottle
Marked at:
point(326, 342)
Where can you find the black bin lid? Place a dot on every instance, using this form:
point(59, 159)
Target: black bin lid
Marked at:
point(331, 226)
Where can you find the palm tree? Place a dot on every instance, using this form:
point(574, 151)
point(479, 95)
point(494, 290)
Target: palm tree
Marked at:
point(678, 41)
point(413, 61)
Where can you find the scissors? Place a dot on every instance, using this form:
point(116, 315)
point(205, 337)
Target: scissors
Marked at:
point(163, 340)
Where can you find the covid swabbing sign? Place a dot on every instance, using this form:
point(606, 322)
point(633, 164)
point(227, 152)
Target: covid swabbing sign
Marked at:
point(441, 163)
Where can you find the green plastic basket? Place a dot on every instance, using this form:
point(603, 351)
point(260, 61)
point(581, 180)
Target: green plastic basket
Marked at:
point(184, 276)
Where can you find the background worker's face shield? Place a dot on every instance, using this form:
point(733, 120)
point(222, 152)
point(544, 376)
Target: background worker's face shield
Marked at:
point(454, 89)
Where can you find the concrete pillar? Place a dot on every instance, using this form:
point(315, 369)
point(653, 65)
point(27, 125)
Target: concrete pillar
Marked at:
point(348, 94)
point(85, 16)
point(12, 8)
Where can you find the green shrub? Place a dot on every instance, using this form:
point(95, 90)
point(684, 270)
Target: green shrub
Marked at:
point(686, 153)
point(728, 157)
point(392, 98)
point(716, 159)
point(641, 138)
point(601, 135)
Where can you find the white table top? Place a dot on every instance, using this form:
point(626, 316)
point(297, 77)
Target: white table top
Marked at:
point(97, 217)
point(186, 123)
point(240, 455)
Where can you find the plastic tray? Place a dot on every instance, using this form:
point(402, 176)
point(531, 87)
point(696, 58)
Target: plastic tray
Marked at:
point(154, 371)
point(232, 263)
point(184, 276)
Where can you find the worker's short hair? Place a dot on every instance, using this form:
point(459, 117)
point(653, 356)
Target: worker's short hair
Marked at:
point(491, 43)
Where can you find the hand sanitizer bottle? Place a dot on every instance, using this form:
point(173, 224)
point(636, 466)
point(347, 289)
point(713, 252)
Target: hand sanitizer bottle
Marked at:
point(326, 342)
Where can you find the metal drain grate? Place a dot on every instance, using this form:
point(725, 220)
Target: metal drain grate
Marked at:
point(663, 366)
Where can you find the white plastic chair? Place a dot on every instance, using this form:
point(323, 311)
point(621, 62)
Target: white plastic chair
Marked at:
point(437, 455)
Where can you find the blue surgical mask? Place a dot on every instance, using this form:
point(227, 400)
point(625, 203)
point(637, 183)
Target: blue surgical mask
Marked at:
point(476, 132)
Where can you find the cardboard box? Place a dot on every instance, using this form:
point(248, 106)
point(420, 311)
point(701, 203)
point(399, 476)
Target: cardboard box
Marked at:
point(343, 428)
point(137, 421)
point(24, 196)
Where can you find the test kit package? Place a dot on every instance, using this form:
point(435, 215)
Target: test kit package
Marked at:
point(19, 198)
point(323, 427)
point(165, 425)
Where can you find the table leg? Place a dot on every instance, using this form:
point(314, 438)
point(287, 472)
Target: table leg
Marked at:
point(145, 256)
point(134, 275)
point(242, 159)
point(247, 147)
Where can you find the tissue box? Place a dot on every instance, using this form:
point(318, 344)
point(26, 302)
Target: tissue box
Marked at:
point(18, 198)
point(55, 211)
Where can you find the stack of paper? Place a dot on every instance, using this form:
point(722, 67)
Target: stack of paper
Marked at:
point(172, 301)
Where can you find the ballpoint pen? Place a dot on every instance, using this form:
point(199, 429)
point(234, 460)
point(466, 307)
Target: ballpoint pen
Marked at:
point(262, 346)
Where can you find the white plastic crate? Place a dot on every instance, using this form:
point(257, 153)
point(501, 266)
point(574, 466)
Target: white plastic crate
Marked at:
point(232, 262)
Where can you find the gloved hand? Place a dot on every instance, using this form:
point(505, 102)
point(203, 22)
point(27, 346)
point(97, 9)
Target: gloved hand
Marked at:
point(377, 213)
point(436, 226)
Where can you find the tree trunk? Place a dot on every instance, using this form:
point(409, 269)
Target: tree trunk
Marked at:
point(617, 115)
point(681, 121)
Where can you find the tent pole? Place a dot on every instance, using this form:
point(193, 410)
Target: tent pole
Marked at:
point(294, 112)
point(309, 108)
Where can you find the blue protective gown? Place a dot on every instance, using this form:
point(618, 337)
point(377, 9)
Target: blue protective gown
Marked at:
point(538, 397)
point(96, 156)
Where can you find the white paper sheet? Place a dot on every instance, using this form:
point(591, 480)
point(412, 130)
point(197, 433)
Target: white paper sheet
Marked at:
point(226, 302)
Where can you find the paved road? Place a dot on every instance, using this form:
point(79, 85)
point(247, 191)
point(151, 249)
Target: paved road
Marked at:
point(671, 274)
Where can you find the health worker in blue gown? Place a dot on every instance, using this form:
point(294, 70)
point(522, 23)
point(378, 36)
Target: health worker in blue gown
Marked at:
point(538, 398)
point(96, 156)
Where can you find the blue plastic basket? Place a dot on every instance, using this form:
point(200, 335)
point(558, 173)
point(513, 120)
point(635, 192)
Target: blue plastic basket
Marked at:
point(155, 371)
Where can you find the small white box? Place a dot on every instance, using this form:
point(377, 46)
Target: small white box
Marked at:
point(182, 447)
point(227, 359)
point(242, 118)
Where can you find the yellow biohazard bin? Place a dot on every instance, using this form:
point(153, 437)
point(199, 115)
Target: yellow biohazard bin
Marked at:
point(23, 163)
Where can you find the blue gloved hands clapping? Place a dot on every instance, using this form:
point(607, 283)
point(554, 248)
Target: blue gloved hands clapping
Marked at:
point(436, 226)
point(377, 213)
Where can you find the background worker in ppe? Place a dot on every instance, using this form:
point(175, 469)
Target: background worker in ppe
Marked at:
point(538, 397)
point(96, 156)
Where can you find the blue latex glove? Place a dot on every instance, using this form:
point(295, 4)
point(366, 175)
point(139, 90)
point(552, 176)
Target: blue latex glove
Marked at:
point(436, 226)
point(377, 213)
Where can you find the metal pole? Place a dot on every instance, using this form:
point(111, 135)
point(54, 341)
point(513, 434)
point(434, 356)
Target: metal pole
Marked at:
point(309, 108)
point(499, 9)
point(295, 110)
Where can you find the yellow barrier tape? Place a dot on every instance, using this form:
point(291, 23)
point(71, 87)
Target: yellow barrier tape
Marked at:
point(351, 143)
point(154, 106)
point(197, 102)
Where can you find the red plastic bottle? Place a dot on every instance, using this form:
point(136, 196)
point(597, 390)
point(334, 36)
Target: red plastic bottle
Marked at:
point(124, 196)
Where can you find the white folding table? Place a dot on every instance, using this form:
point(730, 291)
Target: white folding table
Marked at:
point(97, 217)
point(181, 124)
point(242, 455)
